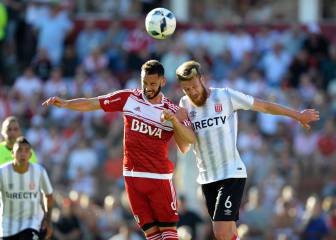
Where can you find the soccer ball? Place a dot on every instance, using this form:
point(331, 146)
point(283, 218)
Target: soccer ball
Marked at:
point(160, 23)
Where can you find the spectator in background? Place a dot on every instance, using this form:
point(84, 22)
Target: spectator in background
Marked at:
point(111, 216)
point(69, 62)
point(275, 64)
point(172, 59)
point(327, 140)
point(52, 31)
point(314, 225)
point(304, 145)
point(28, 86)
point(95, 62)
point(42, 64)
point(6, 100)
point(35, 11)
point(298, 66)
point(15, 9)
point(89, 38)
point(222, 65)
point(316, 44)
point(115, 37)
point(55, 84)
point(239, 43)
point(328, 66)
point(332, 218)
point(84, 183)
point(265, 39)
point(255, 214)
point(189, 218)
point(67, 226)
point(82, 158)
point(292, 39)
point(137, 46)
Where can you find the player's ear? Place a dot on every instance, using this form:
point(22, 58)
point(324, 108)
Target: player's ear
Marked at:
point(163, 81)
point(201, 79)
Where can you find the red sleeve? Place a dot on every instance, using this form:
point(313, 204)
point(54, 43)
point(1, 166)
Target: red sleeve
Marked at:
point(114, 102)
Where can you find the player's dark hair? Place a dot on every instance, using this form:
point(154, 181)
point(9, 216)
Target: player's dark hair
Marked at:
point(22, 140)
point(187, 70)
point(153, 67)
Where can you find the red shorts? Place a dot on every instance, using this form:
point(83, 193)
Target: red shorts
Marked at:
point(153, 201)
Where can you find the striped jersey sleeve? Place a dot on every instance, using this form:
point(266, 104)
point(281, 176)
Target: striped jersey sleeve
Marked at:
point(114, 102)
point(240, 100)
point(46, 187)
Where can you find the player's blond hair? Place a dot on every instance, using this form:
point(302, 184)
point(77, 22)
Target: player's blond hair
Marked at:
point(6, 123)
point(188, 70)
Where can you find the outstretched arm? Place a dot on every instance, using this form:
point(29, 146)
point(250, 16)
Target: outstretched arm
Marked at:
point(304, 117)
point(184, 135)
point(78, 104)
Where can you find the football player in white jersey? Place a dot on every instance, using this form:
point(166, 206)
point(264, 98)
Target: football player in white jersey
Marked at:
point(21, 183)
point(213, 113)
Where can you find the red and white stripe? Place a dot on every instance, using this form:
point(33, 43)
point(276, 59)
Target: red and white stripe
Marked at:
point(169, 235)
point(173, 192)
point(154, 237)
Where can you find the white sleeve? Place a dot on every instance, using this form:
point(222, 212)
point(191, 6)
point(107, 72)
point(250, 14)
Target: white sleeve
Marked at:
point(45, 183)
point(181, 102)
point(240, 100)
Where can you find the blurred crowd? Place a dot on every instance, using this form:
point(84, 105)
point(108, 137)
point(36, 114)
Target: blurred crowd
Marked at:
point(291, 189)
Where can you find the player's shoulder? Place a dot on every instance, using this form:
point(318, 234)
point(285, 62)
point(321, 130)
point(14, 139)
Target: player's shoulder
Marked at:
point(123, 93)
point(6, 166)
point(169, 104)
point(222, 92)
point(37, 167)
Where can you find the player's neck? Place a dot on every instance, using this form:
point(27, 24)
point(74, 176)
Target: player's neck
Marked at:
point(208, 91)
point(20, 167)
point(9, 145)
point(156, 100)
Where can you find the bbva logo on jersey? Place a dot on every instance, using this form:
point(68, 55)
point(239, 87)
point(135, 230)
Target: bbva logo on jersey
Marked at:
point(145, 128)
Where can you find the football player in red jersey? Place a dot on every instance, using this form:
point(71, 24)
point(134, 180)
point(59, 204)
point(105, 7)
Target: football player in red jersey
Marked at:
point(150, 121)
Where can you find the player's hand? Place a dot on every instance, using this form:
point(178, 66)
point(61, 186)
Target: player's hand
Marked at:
point(167, 115)
point(47, 229)
point(56, 101)
point(308, 115)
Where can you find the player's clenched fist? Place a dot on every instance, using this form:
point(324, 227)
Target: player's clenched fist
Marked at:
point(56, 101)
point(167, 115)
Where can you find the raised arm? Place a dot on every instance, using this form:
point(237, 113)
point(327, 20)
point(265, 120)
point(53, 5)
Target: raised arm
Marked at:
point(183, 134)
point(78, 104)
point(304, 117)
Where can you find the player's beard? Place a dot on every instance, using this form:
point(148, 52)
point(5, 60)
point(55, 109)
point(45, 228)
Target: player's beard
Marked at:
point(154, 95)
point(200, 101)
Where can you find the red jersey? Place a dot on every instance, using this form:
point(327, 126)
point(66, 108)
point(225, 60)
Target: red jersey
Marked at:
point(145, 136)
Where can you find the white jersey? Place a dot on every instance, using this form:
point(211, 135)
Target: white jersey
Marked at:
point(21, 198)
point(215, 126)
